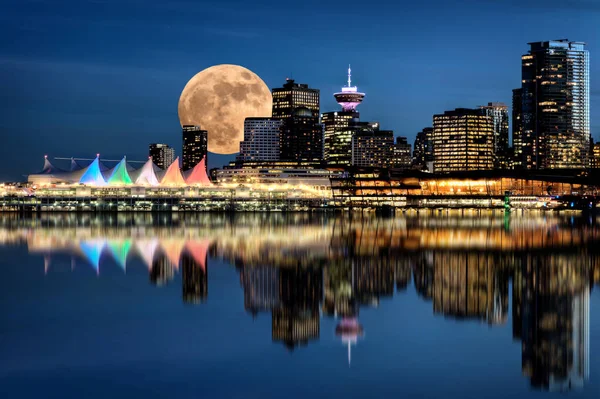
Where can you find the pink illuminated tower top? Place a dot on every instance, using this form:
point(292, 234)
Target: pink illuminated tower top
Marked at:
point(349, 98)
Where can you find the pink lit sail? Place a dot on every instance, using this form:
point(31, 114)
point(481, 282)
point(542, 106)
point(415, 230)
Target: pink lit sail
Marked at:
point(173, 176)
point(197, 175)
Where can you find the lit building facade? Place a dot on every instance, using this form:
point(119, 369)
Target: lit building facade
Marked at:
point(338, 130)
point(161, 154)
point(195, 147)
point(423, 150)
point(373, 148)
point(298, 106)
point(261, 140)
point(517, 128)
point(499, 114)
point(402, 158)
point(295, 95)
point(301, 136)
point(595, 159)
point(463, 141)
point(555, 105)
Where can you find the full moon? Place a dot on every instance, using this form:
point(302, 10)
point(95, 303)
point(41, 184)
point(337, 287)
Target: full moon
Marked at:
point(218, 99)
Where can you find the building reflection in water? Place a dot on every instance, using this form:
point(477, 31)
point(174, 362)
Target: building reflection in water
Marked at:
point(300, 267)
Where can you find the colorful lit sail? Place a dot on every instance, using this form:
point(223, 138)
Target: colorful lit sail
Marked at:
point(93, 174)
point(197, 175)
point(146, 175)
point(173, 175)
point(119, 174)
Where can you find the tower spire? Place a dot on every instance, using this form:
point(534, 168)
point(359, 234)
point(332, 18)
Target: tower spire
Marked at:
point(349, 76)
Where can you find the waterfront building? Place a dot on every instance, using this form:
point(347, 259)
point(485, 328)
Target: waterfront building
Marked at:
point(499, 114)
point(462, 141)
point(161, 154)
point(295, 95)
point(195, 147)
point(423, 150)
point(301, 137)
point(402, 158)
point(595, 159)
point(555, 105)
point(339, 127)
point(373, 148)
point(298, 106)
point(261, 140)
point(517, 128)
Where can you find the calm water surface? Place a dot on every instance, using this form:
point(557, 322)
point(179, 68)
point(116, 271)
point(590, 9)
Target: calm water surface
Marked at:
point(298, 306)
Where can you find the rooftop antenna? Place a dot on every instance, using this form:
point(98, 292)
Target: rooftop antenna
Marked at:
point(349, 76)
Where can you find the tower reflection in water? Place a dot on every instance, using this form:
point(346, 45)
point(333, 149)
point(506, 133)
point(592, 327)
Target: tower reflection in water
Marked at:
point(301, 267)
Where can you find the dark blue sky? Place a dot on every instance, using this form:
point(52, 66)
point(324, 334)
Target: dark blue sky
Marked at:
point(79, 77)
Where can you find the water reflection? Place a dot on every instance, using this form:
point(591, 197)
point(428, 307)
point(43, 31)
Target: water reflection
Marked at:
point(302, 267)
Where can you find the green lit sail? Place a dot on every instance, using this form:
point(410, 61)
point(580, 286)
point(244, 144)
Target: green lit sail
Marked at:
point(120, 174)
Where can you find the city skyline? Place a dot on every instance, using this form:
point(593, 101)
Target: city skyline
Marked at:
point(146, 105)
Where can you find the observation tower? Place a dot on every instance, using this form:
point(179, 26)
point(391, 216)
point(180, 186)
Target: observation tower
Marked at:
point(349, 98)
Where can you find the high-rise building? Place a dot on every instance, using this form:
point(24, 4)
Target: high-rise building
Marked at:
point(595, 158)
point(463, 140)
point(517, 128)
point(499, 114)
point(298, 106)
point(161, 154)
point(301, 136)
point(338, 126)
point(261, 140)
point(423, 150)
point(295, 95)
point(373, 148)
point(338, 130)
point(402, 158)
point(195, 146)
point(556, 105)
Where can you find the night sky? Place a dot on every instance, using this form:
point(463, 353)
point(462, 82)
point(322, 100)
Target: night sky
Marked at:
point(79, 77)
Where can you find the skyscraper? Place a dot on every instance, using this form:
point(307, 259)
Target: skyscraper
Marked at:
point(301, 137)
point(499, 114)
point(555, 105)
point(338, 130)
point(162, 155)
point(373, 148)
point(423, 150)
point(462, 140)
point(195, 146)
point(402, 158)
point(517, 128)
point(261, 140)
point(298, 106)
point(339, 126)
point(295, 95)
